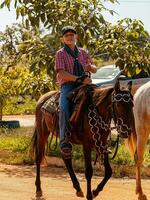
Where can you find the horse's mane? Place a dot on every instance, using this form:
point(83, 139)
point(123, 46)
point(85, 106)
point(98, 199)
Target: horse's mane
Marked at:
point(145, 88)
point(101, 94)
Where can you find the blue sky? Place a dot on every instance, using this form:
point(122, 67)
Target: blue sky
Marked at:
point(135, 9)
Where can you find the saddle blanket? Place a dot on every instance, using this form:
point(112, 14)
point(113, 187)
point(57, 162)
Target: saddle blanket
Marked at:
point(52, 104)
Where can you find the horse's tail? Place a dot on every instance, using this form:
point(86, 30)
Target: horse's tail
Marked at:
point(131, 142)
point(38, 138)
point(34, 143)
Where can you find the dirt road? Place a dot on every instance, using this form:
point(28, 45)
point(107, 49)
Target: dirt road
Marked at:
point(17, 183)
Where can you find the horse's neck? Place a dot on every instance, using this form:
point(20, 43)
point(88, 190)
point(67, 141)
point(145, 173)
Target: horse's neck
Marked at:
point(142, 105)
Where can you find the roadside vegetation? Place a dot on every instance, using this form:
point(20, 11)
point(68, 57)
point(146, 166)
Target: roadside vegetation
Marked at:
point(15, 148)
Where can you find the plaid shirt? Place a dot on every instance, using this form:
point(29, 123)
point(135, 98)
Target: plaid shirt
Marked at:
point(64, 61)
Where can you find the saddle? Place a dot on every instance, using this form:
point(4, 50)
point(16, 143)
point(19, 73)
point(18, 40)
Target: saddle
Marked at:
point(79, 102)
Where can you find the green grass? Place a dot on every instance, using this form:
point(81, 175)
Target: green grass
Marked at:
point(123, 157)
point(15, 147)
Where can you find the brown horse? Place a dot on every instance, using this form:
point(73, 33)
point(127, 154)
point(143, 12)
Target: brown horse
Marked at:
point(138, 138)
point(107, 102)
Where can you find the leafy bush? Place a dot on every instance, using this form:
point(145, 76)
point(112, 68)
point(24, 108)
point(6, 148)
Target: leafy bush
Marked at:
point(15, 106)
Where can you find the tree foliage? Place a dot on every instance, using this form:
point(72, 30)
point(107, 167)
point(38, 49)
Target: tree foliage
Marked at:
point(17, 78)
point(86, 16)
point(39, 51)
point(10, 84)
point(128, 44)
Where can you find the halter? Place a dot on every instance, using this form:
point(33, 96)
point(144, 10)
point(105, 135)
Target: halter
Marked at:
point(118, 98)
point(122, 97)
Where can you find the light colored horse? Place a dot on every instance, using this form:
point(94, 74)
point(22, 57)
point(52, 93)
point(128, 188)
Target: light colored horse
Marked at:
point(138, 139)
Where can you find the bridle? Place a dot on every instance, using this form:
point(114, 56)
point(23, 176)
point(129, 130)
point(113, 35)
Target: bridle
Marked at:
point(122, 128)
point(122, 97)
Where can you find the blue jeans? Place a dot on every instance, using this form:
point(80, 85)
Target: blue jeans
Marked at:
point(64, 114)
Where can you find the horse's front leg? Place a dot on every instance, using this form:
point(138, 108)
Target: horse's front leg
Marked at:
point(76, 185)
point(88, 171)
point(139, 191)
point(108, 173)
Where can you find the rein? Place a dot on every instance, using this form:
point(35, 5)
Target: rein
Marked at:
point(96, 123)
point(116, 149)
point(119, 127)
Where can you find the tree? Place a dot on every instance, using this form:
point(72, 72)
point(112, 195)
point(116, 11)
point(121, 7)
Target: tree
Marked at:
point(86, 16)
point(16, 76)
point(10, 85)
point(39, 51)
point(127, 42)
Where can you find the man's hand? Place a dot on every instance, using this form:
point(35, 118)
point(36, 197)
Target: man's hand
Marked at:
point(90, 67)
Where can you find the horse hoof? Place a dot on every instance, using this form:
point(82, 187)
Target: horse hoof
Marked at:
point(39, 194)
point(94, 194)
point(80, 194)
point(142, 197)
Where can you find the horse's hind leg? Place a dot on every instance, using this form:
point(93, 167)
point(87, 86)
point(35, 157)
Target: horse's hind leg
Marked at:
point(76, 185)
point(88, 171)
point(108, 173)
point(39, 157)
point(141, 143)
point(38, 182)
point(40, 149)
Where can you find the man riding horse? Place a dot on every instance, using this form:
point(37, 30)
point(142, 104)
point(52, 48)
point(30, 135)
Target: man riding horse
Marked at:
point(71, 65)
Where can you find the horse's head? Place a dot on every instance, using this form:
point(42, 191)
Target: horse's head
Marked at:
point(122, 100)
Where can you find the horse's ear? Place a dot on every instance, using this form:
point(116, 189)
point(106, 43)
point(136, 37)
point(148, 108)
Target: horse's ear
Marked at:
point(117, 86)
point(130, 85)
